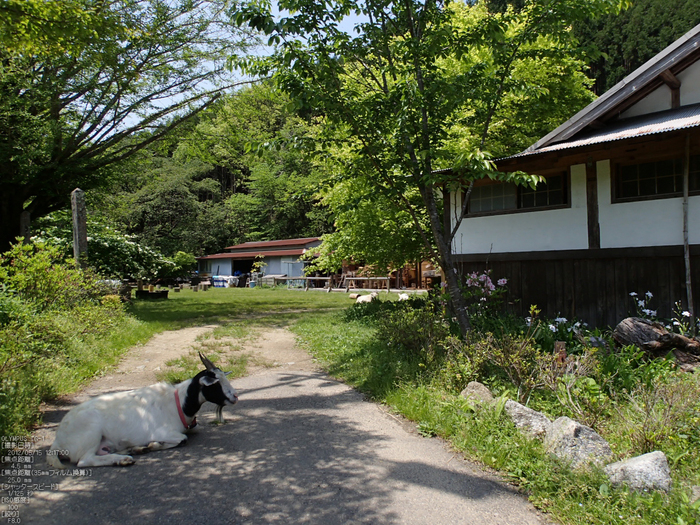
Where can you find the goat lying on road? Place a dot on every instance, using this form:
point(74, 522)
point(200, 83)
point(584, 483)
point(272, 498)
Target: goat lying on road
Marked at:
point(103, 430)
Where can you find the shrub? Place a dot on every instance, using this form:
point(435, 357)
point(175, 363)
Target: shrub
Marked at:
point(655, 412)
point(110, 252)
point(50, 315)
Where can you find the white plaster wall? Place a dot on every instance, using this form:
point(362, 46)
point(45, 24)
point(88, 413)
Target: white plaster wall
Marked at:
point(657, 100)
point(564, 229)
point(690, 84)
point(656, 222)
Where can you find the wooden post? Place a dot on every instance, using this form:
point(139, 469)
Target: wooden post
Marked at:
point(80, 248)
point(686, 244)
point(24, 225)
point(592, 204)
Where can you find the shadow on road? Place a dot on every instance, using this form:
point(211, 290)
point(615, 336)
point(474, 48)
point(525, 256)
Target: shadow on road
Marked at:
point(298, 448)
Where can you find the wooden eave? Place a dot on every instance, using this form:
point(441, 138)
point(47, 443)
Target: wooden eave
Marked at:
point(637, 149)
point(674, 59)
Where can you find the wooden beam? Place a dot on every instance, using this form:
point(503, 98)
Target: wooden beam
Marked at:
point(674, 85)
point(670, 79)
point(592, 205)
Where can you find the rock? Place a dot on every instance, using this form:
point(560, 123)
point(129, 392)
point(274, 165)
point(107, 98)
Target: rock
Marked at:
point(694, 494)
point(534, 423)
point(477, 392)
point(580, 445)
point(646, 472)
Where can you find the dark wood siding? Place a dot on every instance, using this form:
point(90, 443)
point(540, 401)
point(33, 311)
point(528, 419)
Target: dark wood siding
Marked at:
point(591, 285)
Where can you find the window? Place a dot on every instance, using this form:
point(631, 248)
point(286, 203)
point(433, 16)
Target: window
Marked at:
point(660, 178)
point(502, 197)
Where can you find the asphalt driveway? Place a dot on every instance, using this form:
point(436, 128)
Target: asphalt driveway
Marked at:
point(298, 448)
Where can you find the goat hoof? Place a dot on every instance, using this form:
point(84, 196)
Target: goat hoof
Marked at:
point(127, 461)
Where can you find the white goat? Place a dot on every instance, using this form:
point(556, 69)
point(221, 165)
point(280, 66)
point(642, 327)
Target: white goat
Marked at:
point(105, 429)
point(366, 298)
point(403, 297)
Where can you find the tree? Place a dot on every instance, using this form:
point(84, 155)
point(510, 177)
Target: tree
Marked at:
point(205, 187)
point(625, 41)
point(271, 179)
point(391, 91)
point(69, 113)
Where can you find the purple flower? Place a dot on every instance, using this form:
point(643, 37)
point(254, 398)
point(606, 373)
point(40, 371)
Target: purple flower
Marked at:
point(502, 282)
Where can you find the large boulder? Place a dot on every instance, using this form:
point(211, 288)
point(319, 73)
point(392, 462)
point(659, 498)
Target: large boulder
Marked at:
point(478, 392)
point(576, 443)
point(529, 421)
point(646, 472)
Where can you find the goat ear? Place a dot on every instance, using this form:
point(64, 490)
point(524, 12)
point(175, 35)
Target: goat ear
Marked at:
point(228, 373)
point(208, 381)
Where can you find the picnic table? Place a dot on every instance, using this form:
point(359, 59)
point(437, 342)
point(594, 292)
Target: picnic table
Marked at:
point(349, 279)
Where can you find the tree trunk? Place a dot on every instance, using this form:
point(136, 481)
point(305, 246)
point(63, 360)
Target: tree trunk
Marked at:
point(654, 339)
point(457, 302)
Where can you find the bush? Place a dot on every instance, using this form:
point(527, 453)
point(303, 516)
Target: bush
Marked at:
point(50, 315)
point(110, 252)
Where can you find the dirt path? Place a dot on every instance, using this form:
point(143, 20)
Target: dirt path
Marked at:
point(273, 348)
point(299, 447)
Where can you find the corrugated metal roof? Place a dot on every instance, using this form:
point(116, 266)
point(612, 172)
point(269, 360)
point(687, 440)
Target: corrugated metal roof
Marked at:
point(667, 58)
point(650, 124)
point(254, 254)
point(273, 244)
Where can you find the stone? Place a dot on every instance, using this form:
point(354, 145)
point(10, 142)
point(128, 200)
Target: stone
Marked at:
point(642, 473)
point(576, 443)
point(529, 421)
point(694, 493)
point(478, 392)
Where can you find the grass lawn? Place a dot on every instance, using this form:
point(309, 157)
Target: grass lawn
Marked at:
point(188, 308)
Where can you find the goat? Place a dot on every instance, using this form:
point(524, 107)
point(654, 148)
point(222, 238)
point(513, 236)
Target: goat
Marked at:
point(403, 297)
point(366, 298)
point(106, 429)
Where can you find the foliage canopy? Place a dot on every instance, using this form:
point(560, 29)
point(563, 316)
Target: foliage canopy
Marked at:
point(412, 69)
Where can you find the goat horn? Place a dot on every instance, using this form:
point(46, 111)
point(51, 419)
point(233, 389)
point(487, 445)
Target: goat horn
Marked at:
point(207, 363)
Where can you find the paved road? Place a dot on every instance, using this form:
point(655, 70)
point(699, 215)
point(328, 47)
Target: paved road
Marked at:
point(298, 448)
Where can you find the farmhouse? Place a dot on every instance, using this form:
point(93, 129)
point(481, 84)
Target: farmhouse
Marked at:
point(281, 257)
point(619, 212)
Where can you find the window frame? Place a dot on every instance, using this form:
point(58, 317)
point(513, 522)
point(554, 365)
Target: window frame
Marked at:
point(566, 193)
point(616, 181)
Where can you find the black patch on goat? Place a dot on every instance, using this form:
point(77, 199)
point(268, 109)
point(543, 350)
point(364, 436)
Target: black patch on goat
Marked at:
point(212, 393)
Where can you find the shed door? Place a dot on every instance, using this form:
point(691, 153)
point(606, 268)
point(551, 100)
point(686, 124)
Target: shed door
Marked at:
point(292, 267)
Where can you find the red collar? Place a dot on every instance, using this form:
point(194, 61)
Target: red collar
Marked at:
point(182, 414)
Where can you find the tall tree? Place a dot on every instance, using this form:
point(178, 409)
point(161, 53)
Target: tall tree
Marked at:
point(258, 140)
point(624, 41)
point(389, 90)
point(70, 112)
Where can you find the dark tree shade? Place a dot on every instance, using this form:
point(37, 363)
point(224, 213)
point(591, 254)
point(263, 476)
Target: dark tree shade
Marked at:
point(628, 40)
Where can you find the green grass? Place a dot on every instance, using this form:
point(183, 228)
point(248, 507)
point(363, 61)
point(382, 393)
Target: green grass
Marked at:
point(188, 308)
point(240, 313)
